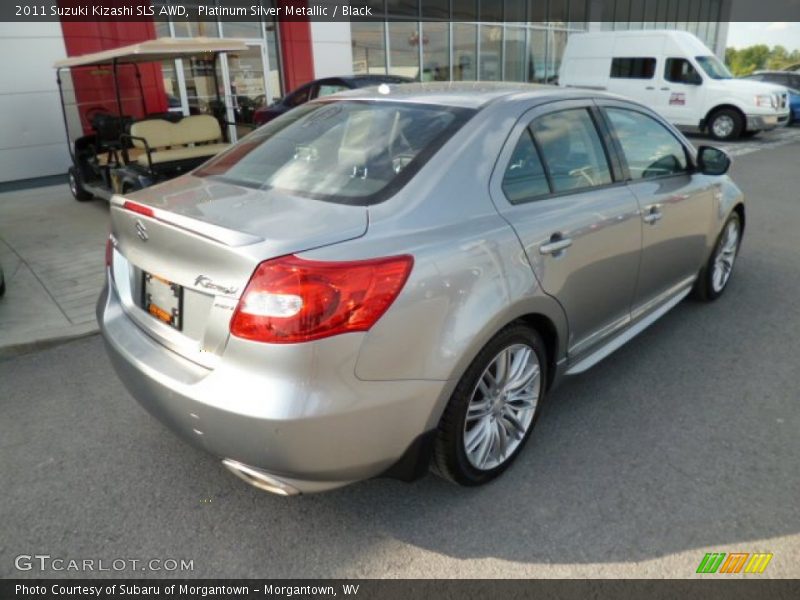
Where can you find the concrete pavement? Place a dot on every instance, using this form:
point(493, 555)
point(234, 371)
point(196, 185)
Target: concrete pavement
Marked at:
point(51, 251)
point(683, 442)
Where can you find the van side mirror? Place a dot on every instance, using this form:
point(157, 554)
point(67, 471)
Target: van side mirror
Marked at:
point(712, 161)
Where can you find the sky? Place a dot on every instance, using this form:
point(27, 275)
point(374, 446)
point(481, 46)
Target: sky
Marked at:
point(773, 33)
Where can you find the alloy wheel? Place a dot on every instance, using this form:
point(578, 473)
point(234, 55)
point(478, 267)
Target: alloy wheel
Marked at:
point(502, 407)
point(725, 257)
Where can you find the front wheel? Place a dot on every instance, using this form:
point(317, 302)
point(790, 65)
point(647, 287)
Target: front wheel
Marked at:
point(76, 186)
point(716, 274)
point(726, 124)
point(493, 409)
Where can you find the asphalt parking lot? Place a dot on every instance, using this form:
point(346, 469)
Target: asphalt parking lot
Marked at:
point(683, 442)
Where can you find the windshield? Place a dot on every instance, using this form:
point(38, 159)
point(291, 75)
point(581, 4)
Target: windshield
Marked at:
point(713, 67)
point(353, 152)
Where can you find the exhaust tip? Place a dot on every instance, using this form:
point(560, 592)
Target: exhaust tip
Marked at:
point(260, 479)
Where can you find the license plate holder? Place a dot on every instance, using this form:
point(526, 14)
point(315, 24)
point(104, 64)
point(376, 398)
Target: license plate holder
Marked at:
point(163, 299)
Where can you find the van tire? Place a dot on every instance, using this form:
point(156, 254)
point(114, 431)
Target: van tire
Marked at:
point(725, 124)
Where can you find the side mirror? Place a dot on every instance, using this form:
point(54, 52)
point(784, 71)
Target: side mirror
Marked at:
point(712, 161)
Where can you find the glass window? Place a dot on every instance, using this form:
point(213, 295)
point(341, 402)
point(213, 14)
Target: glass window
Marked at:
point(680, 70)
point(349, 152)
point(465, 52)
point(713, 67)
point(201, 86)
point(246, 72)
point(633, 68)
point(274, 81)
point(649, 148)
point(404, 49)
point(572, 150)
point(369, 48)
point(491, 47)
point(241, 29)
point(559, 43)
point(525, 178)
point(435, 51)
point(326, 89)
point(514, 55)
point(537, 61)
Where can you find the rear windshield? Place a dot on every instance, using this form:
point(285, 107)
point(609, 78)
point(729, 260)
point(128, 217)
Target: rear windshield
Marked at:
point(352, 152)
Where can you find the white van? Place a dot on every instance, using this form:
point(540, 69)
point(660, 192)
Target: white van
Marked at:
point(674, 73)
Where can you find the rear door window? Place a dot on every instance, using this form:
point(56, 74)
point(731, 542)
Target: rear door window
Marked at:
point(649, 148)
point(572, 150)
point(525, 179)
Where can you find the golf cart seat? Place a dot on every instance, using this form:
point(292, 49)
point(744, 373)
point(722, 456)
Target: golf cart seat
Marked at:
point(193, 138)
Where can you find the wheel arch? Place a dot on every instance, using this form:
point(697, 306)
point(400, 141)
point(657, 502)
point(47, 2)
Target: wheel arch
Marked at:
point(724, 106)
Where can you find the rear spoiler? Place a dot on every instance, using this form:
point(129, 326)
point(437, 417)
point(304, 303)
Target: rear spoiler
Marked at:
point(222, 235)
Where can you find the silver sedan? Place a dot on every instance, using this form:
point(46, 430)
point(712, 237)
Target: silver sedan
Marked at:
point(393, 279)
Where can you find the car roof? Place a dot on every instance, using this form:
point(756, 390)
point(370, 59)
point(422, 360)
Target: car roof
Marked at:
point(467, 94)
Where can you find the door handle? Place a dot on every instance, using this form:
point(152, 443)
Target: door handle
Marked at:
point(556, 245)
point(654, 215)
point(649, 87)
point(664, 89)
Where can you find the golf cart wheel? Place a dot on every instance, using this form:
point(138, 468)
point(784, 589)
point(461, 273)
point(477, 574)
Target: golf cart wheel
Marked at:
point(76, 186)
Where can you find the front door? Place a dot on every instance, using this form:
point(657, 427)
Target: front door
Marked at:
point(580, 227)
point(675, 204)
point(681, 93)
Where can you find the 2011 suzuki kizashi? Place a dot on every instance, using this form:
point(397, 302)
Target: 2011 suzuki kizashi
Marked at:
point(393, 278)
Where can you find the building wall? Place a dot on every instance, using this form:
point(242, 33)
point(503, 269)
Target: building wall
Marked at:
point(332, 48)
point(32, 138)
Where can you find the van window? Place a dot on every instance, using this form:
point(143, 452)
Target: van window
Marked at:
point(680, 70)
point(525, 178)
point(649, 148)
point(713, 67)
point(572, 150)
point(633, 68)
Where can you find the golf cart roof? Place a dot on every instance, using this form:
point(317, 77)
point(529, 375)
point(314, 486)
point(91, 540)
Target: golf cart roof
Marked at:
point(154, 50)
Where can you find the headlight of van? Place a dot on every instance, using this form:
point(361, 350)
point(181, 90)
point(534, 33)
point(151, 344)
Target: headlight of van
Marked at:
point(765, 100)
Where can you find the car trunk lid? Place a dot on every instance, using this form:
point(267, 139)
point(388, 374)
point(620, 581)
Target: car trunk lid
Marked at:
point(187, 248)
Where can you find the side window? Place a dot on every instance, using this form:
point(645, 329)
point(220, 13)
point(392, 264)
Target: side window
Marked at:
point(649, 148)
point(524, 178)
point(572, 150)
point(633, 68)
point(794, 82)
point(326, 89)
point(680, 70)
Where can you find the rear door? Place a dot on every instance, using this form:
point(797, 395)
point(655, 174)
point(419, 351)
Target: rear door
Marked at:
point(676, 203)
point(556, 184)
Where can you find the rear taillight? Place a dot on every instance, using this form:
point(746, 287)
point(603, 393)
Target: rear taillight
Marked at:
point(290, 299)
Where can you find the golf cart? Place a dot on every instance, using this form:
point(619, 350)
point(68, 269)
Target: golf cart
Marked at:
point(124, 143)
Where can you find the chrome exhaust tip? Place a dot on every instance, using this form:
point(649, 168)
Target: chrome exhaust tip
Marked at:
point(260, 479)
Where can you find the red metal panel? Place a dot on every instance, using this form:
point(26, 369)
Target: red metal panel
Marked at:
point(95, 87)
point(297, 53)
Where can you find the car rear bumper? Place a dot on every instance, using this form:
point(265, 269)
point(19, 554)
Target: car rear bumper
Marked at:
point(306, 421)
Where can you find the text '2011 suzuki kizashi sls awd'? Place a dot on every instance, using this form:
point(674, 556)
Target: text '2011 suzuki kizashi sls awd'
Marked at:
point(393, 279)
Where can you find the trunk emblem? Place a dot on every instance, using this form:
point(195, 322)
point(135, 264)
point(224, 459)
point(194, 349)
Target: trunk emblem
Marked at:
point(205, 282)
point(141, 230)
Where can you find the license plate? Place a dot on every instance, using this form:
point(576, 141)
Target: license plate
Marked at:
point(163, 299)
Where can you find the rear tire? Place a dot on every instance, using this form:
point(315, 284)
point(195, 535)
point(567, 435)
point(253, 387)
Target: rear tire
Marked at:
point(715, 275)
point(76, 186)
point(726, 124)
point(493, 409)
